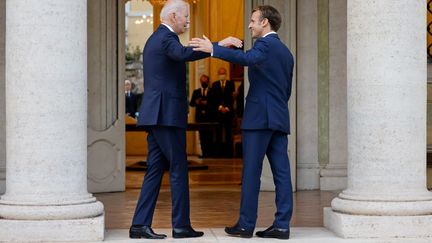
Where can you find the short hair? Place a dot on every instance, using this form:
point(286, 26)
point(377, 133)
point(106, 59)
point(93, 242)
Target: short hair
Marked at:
point(205, 76)
point(222, 70)
point(270, 13)
point(172, 6)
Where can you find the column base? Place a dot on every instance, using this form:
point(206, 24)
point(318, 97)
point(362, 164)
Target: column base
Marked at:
point(333, 183)
point(308, 179)
point(333, 179)
point(363, 226)
point(90, 229)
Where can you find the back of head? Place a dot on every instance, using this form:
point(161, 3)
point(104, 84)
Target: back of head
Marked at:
point(270, 13)
point(172, 6)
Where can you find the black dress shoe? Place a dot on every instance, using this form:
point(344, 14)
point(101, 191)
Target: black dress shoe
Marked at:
point(273, 232)
point(186, 232)
point(237, 230)
point(136, 232)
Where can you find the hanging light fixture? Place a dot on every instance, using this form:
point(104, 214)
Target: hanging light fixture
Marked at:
point(162, 2)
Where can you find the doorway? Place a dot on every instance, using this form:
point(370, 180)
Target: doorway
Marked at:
point(108, 68)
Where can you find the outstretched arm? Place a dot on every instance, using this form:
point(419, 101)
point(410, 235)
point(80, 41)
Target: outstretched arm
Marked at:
point(253, 56)
point(205, 45)
point(175, 50)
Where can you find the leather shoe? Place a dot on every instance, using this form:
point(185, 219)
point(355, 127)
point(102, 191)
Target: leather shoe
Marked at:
point(137, 232)
point(237, 230)
point(273, 232)
point(186, 232)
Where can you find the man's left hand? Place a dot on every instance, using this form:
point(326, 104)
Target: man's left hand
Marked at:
point(203, 45)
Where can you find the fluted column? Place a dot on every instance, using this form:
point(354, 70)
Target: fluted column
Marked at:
point(308, 166)
point(46, 195)
point(386, 122)
point(334, 174)
point(2, 97)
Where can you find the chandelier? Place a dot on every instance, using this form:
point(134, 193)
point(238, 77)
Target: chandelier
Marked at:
point(162, 2)
point(146, 18)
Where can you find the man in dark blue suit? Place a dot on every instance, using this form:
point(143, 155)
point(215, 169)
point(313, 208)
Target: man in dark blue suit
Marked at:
point(131, 101)
point(163, 113)
point(223, 90)
point(202, 99)
point(265, 124)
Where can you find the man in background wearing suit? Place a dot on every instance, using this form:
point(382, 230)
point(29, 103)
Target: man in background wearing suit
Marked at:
point(131, 101)
point(265, 124)
point(201, 100)
point(163, 113)
point(223, 90)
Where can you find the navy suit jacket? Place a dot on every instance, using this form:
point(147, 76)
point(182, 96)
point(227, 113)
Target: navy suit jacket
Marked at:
point(270, 75)
point(164, 99)
point(224, 96)
point(203, 113)
point(131, 104)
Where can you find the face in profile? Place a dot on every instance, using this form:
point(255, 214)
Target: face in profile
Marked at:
point(256, 24)
point(181, 20)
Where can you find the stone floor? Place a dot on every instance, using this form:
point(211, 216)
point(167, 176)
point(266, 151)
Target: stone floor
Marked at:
point(214, 201)
point(298, 235)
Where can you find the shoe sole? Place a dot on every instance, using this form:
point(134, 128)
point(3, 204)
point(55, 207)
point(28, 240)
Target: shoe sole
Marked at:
point(185, 236)
point(143, 237)
point(240, 235)
point(275, 237)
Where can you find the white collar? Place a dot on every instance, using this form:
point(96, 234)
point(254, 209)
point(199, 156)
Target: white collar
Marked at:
point(169, 27)
point(269, 33)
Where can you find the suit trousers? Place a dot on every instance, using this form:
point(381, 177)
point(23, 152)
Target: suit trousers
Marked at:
point(166, 149)
point(274, 144)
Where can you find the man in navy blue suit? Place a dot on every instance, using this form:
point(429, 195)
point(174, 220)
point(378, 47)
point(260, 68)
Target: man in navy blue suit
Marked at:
point(131, 101)
point(265, 124)
point(163, 113)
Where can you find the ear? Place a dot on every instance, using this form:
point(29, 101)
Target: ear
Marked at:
point(265, 22)
point(172, 17)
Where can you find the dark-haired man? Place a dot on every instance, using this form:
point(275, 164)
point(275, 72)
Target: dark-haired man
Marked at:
point(202, 99)
point(265, 124)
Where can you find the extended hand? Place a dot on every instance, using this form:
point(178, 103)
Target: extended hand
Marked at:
point(203, 45)
point(231, 41)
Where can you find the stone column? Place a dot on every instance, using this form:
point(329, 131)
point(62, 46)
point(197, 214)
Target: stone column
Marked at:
point(46, 195)
point(334, 175)
point(307, 96)
point(386, 194)
point(2, 98)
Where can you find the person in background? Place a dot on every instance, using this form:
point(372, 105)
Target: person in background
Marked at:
point(202, 99)
point(131, 101)
point(223, 91)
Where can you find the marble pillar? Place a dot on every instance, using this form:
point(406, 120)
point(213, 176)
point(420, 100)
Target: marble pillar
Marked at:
point(386, 193)
point(2, 97)
point(334, 174)
point(308, 167)
point(46, 195)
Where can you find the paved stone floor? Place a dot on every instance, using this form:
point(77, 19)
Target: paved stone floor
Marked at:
point(298, 235)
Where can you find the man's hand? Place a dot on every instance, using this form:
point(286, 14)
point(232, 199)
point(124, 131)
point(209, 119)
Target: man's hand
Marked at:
point(231, 41)
point(203, 45)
